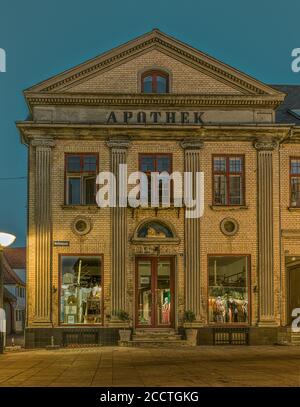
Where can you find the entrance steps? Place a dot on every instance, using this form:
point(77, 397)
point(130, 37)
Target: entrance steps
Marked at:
point(286, 336)
point(295, 338)
point(156, 337)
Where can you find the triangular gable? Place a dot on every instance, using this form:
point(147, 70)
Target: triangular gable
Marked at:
point(230, 79)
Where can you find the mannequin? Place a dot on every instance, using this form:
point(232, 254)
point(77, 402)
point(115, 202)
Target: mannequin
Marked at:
point(220, 310)
point(166, 311)
point(96, 290)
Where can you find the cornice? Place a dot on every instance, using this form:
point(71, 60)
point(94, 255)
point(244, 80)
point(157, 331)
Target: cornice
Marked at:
point(141, 100)
point(215, 133)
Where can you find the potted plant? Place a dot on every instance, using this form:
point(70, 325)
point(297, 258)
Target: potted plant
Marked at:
point(191, 333)
point(125, 334)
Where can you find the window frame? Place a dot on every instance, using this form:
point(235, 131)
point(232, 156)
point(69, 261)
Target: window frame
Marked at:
point(81, 176)
point(154, 73)
point(60, 257)
point(231, 324)
point(227, 175)
point(290, 180)
point(157, 155)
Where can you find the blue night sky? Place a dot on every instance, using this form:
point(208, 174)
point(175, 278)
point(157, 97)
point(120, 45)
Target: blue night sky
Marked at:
point(44, 38)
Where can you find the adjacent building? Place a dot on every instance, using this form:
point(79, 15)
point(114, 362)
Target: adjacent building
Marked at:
point(157, 104)
point(15, 289)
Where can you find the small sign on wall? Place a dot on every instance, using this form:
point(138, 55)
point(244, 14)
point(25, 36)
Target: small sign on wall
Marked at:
point(61, 243)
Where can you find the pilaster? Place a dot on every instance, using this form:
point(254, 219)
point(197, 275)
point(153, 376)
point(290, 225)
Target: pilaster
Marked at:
point(118, 156)
point(265, 150)
point(43, 229)
point(192, 235)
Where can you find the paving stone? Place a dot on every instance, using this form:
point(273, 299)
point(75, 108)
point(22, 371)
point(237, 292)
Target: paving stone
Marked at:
point(201, 366)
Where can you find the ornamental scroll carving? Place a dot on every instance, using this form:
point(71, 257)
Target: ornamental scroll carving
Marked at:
point(266, 145)
point(43, 143)
point(118, 143)
point(192, 144)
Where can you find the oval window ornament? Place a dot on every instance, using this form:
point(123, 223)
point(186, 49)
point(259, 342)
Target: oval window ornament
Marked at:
point(229, 227)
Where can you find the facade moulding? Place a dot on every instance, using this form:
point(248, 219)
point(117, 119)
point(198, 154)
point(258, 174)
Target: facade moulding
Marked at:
point(252, 133)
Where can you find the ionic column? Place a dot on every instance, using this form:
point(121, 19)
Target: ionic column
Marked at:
point(265, 230)
point(119, 230)
point(192, 234)
point(43, 229)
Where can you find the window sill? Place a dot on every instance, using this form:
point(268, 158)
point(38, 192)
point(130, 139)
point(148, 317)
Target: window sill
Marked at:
point(294, 208)
point(80, 207)
point(228, 207)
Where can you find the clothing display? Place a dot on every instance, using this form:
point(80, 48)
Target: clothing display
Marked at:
point(165, 311)
point(228, 290)
point(81, 292)
point(145, 307)
point(226, 309)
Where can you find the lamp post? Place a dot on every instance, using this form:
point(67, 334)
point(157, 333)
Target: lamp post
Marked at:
point(6, 239)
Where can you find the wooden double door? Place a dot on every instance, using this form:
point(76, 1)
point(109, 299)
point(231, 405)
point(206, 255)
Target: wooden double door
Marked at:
point(155, 298)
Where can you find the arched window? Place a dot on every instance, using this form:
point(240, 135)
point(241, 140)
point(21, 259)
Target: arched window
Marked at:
point(154, 229)
point(155, 82)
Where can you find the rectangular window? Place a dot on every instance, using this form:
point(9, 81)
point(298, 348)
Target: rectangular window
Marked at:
point(228, 301)
point(149, 163)
point(295, 181)
point(81, 290)
point(228, 179)
point(81, 173)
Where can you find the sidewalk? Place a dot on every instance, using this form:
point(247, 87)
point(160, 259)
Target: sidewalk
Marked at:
point(113, 366)
point(15, 339)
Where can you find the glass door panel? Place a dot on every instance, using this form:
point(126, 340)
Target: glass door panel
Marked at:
point(144, 293)
point(164, 300)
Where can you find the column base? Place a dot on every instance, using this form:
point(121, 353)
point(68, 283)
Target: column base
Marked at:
point(267, 324)
point(116, 323)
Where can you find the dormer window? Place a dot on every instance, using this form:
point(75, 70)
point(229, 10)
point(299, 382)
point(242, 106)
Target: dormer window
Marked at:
point(155, 82)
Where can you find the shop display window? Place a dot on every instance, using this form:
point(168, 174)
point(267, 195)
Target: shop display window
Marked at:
point(228, 301)
point(81, 290)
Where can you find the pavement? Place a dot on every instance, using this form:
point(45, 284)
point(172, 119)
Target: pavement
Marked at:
point(15, 340)
point(118, 366)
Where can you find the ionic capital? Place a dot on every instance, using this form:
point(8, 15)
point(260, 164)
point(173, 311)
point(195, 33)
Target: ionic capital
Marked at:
point(192, 144)
point(266, 145)
point(47, 142)
point(118, 143)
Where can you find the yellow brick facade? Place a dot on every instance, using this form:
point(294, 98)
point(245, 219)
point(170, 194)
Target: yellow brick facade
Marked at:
point(123, 77)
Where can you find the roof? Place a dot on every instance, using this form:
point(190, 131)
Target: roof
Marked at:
point(10, 277)
point(9, 296)
point(284, 113)
point(16, 257)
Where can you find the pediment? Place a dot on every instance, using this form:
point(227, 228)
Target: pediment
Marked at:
point(116, 72)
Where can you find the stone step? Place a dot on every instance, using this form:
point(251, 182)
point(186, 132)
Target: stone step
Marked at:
point(156, 337)
point(157, 344)
point(295, 338)
point(141, 331)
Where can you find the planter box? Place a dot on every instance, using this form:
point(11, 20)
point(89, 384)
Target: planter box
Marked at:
point(125, 335)
point(191, 336)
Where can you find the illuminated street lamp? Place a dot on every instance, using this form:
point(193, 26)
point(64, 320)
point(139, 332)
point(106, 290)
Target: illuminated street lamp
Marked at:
point(6, 239)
